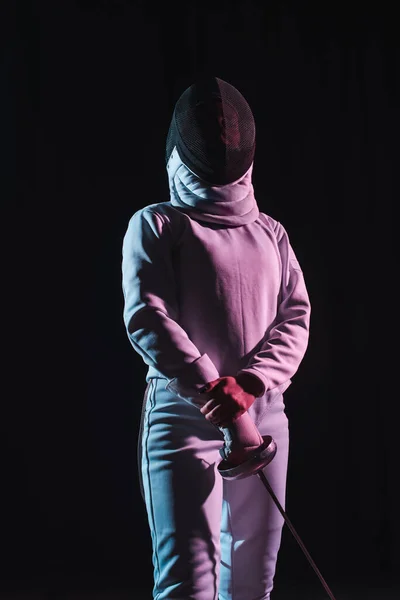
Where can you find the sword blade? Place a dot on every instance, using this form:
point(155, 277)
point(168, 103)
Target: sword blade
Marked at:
point(266, 483)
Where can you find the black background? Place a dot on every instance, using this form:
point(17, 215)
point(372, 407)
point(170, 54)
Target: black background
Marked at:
point(96, 83)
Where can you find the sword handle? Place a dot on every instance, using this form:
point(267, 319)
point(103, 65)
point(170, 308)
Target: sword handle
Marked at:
point(240, 435)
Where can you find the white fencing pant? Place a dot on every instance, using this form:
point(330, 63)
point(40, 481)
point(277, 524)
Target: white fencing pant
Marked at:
point(212, 539)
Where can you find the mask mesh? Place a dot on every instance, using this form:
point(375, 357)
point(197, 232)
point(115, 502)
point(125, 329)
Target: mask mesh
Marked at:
point(213, 128)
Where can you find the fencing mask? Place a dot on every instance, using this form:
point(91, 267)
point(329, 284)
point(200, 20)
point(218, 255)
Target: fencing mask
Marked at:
point(213, 129)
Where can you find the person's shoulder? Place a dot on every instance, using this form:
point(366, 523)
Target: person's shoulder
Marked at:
point(161, 218)
point(274, 225)
point(148, 214)
point(163, 210)
point(147, 210)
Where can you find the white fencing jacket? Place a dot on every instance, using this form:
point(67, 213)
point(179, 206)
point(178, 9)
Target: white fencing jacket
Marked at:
point(212, 287)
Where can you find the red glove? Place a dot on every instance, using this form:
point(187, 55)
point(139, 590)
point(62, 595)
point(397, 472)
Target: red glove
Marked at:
point(230, 397)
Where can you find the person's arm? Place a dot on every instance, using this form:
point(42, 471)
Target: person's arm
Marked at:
point(281, 352)
point(150, 306)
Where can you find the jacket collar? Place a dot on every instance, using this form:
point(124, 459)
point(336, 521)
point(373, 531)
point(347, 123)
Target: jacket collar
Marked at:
point(233, 204)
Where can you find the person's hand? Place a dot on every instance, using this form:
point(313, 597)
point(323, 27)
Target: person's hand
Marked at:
point(228, 400)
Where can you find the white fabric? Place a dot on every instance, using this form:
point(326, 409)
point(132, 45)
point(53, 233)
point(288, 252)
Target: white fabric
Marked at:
point(233, 204)
point(212, 538)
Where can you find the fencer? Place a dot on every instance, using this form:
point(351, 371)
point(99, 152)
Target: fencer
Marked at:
point(216, 305)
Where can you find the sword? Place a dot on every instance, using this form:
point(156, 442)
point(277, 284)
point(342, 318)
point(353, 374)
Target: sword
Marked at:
point(257, 459)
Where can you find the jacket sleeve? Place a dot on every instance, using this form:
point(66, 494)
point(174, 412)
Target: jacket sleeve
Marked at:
point(150, 306)
point(280, 353)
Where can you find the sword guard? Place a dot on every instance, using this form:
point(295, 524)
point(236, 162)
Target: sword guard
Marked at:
point(259, 458)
